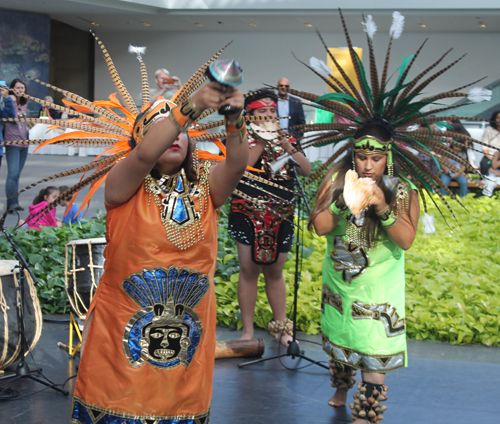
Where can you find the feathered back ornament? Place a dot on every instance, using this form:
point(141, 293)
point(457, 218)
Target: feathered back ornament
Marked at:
point(111, 126)
point(118, 127)
point(399, 103)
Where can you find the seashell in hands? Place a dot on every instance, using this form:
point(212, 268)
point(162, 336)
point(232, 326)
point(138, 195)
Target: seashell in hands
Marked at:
point(268, 130)
point(358, 192)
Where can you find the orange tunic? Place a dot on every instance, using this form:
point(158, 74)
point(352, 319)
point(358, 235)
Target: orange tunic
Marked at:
point(149, 353)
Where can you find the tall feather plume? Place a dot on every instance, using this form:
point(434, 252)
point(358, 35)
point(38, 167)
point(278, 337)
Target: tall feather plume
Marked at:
point(127, 98)
point(357, 65)
point(370, 28)
point(181, 94)
point(139, 51)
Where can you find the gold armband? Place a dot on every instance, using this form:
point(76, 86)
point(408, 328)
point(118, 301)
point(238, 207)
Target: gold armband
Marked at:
point(236, 127)
point(184, 115)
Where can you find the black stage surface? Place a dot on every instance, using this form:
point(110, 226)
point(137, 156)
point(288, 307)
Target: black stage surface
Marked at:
point(443, 384)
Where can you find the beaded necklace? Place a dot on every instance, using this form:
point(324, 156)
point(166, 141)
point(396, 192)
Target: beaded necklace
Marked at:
point(175, 197)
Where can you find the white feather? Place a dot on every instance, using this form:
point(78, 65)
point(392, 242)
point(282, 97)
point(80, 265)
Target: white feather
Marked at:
point(479, 94)
point(428, 221)
point(370, 26)
point(398, 22)
point(136, 50)
point(414, 127)
point(319, 66)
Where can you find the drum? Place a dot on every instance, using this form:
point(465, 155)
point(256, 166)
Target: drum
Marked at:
point(10, 299)
point(84, 268)
point(239, 348)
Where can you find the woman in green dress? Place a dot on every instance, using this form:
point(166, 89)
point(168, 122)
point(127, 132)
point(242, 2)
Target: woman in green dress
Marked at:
point(362, 321)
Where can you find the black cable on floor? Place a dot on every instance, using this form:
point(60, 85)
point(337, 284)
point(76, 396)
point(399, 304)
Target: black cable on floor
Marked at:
point(6, 393)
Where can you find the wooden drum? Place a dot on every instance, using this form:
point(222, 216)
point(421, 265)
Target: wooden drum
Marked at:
point(10, 300)
point(84, 268)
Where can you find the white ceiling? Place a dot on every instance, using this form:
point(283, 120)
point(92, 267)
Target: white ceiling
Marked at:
point(260, 15)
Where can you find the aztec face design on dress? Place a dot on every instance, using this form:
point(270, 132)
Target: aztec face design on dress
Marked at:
point(166, 331)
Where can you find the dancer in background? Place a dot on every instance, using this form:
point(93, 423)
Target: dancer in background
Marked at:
point(263, 238)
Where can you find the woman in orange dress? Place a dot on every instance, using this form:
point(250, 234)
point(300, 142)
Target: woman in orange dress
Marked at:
point(150, 333)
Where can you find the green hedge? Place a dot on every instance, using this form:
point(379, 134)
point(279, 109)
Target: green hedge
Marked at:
point(453, 290)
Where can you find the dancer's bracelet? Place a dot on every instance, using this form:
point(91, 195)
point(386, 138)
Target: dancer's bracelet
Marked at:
point(384, 214)
point(236, 127)
point(184, 115)
point(338, 206)
point(389, 222)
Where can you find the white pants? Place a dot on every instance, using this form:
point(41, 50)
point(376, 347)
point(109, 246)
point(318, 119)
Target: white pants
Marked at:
point(490, 184)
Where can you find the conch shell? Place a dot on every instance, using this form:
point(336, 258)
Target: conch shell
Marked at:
point(358, 192)
point(267, 130)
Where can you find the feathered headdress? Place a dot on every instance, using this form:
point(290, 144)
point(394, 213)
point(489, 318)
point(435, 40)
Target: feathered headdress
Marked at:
point(394, 106)
point(116, 127)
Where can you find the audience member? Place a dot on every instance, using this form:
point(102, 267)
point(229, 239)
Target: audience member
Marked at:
point(288, 106)
point(493, 179)
point(41, 201)
point(16, 154)
point(49, 112)
point(448, 174)
point(72, 216)
point(6, 111)
point(166, 86)
point(491, 136)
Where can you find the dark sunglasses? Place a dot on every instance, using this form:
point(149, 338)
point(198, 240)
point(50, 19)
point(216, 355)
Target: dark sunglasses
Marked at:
point(283, 85)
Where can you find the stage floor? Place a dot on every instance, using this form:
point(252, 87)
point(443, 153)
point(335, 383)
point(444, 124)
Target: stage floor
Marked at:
point(443, 384)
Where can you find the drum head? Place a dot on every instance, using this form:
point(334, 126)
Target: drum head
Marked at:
point(98, 240)
point(6, 267)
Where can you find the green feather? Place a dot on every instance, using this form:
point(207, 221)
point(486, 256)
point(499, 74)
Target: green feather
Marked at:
point(338, 97)
point(363, 78)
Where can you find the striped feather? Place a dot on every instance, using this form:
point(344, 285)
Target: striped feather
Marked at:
point(81, 101)
point(353, 90)
point(415, 80)
point(92, 165)
point(127, 98)
point(357, 65)
point(181, 94)
point(76, 142)
point(63, 123)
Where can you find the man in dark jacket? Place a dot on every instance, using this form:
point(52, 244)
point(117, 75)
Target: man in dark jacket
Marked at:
point(288, 107)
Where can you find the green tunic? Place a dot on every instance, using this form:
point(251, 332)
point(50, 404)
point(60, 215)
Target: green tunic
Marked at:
point(363, 303)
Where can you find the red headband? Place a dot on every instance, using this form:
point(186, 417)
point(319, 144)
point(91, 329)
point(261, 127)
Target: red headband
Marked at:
point(257, 104)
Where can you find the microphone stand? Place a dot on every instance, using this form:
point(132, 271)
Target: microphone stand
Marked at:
point(22, 368)
point(293, 349)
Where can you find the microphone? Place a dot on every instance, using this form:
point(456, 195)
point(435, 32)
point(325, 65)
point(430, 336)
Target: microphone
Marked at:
point(278, 163)
point(2, 220)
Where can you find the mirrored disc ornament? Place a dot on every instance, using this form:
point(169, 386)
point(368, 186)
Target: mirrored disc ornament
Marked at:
point(226, 71)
